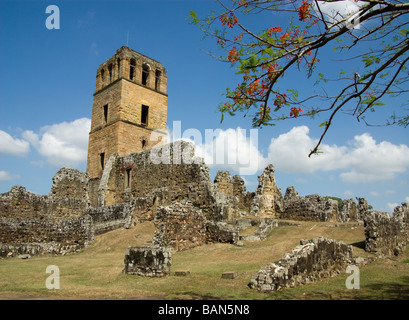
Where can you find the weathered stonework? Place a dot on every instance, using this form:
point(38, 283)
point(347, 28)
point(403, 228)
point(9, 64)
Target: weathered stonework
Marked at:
point(268, 199)
point(109, 218)
point(129, 108)
point(386, 235)
point(309, 208)
point(223, 182)
point(148, 261)
point(310, 261)
point(265, 225)
point(182, 226)
point(362, 208)
point(54, 223)
point(349, 211)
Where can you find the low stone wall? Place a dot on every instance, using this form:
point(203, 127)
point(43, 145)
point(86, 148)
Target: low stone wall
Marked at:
point(53, 223)
point(148, 261)
point(310, 261)
point(265, 225)
point(309, 208)
point(182, 225)
point(386, 235)
point(109, 218)
point(38, 236)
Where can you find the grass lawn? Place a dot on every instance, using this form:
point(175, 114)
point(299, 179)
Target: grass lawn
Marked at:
point(96, 272)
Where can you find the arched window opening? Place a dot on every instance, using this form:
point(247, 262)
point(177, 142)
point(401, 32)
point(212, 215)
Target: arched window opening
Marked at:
point(110, 73)
point(157, 79)
point(145, 73)
point(132, 69)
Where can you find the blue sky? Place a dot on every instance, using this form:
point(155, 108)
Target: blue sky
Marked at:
point(48, 78)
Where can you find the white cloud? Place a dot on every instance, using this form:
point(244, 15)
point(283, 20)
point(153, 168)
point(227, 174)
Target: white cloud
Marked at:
point(407, 199)
point(392, 206)
point(289, 152)
point(371, 162)
point(231, 149)
point(363, 160)
point(6, 176)
point(348, 193)
point(13, 146)
point(64, 144)
point(338, 10)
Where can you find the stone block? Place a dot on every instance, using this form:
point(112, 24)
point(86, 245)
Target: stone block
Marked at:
point(148, 261)
point(230, 274)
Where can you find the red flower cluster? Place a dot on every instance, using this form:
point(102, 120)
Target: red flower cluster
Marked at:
point(304, 11)
point(233, 55)
point(228, 19)
point(295, 112)
point(280, 100)
point(274, 30)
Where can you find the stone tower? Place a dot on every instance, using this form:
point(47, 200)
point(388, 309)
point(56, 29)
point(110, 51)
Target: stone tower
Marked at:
point(130, 102)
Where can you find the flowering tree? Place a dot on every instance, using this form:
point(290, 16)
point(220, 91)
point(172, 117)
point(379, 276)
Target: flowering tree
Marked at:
point(373, 34)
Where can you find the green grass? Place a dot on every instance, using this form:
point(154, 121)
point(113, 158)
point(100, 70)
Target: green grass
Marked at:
point(96, 272)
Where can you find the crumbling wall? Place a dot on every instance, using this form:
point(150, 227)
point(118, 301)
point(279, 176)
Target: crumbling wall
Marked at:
point(309, 208)
point(44, 236)
point(148, 261)
point(52, 223)
point(239, 190)
point(362, 208)
point(162, 176)
point(223, 182)
point(349, 211)
point(111, 217)
point(181, 226)
point(264, 226)
point(268, 199)
point(310, 261)
point(386, 235)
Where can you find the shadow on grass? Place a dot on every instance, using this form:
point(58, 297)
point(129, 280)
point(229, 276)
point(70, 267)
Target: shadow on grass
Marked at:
point(389, 290)
point(195, 296)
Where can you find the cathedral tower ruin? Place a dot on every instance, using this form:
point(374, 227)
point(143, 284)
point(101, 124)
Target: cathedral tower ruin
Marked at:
point(130, 103)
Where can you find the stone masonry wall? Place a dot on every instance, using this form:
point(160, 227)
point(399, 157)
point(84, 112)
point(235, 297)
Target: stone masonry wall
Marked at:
point(51, 223)
point(268, 199)
point(109, 218)
point(309, 208)
point(182, 226)
point(310, 261)
point(386, 235)
point(162, 176)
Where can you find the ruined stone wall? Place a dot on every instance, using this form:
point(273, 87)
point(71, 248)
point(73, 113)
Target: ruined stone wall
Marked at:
point(148, 261)
point(44, 236)
point(239, 190)
point(310, 261)
point(162, 176)
point(349, 211)
point(182, 226)
point(109, 218)
point(268, 199)
point(386, 235)
point(68, 198)
point(223, 182)
point(309, 208)
point(51, 223)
